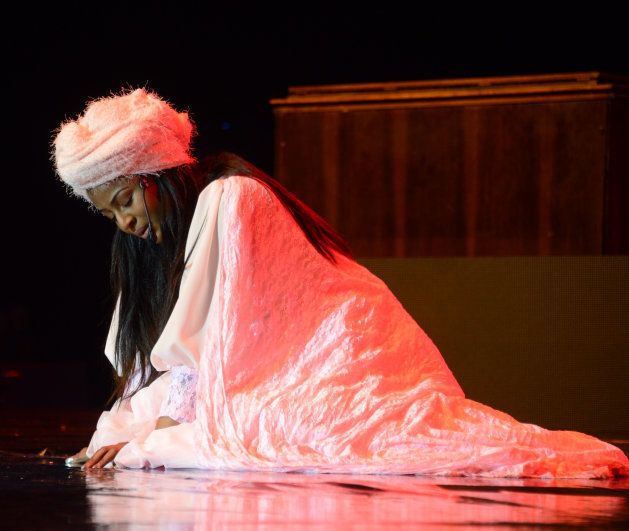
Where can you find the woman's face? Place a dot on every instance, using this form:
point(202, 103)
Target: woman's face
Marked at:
point(122, 203)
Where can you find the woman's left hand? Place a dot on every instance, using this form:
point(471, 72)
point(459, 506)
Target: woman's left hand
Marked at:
point(104, 455)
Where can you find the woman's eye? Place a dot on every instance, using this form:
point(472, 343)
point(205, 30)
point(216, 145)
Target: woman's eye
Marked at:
point(129, 201)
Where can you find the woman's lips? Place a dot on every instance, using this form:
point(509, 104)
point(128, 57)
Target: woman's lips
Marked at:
point(144, 233)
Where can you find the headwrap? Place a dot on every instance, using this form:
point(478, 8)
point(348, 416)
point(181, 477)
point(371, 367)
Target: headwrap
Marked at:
point(132, 133)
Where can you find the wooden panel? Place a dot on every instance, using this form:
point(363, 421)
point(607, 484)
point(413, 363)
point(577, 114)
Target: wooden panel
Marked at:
point(298, 160)
point(524, 178)
point(540, 179)
point(435, 222)
point(366, 192)
point(616, 213)
point(490, 90)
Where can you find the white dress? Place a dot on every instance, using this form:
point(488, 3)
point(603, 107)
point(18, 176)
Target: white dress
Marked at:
point(277, 359)
point(173, 394)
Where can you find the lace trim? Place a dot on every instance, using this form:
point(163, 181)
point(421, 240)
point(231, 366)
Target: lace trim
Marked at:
point(180, 403)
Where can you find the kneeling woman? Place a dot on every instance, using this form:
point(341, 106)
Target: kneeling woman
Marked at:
point(246, 337)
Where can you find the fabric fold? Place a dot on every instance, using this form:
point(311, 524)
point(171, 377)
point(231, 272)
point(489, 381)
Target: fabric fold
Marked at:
point(149, 452)
point(131, 419)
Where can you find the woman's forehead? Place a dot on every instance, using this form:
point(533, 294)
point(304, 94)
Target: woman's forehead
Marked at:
point(101, 194)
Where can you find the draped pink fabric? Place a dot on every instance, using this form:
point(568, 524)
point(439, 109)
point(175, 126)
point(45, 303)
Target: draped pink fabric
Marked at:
point(304, 365)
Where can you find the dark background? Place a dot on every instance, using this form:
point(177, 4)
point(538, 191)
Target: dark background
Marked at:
point(223, 64)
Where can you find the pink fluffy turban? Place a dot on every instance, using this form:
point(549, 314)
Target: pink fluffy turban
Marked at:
point(129, 134)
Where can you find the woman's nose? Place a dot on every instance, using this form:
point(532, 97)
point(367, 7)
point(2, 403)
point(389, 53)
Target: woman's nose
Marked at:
point(125, 222)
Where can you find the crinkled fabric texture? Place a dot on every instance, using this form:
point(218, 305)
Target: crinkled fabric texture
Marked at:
point(308, 366)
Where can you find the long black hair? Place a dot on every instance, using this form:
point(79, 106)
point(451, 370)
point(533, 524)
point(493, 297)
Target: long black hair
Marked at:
point(146, 276)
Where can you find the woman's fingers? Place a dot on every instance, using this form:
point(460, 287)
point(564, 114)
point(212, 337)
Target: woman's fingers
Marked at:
point(95, 458)
point(98, 460)
point(109, 456)
point(104, 455)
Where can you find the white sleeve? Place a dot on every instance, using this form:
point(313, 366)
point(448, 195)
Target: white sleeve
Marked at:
point(132, 418)
point(110, 344)
point(178, 343)
point(181, 340)
point(180, 402)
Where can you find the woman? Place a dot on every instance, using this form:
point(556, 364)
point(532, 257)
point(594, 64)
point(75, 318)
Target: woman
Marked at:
point(260, 343)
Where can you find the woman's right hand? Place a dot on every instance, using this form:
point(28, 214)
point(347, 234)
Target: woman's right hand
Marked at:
point(104, 455)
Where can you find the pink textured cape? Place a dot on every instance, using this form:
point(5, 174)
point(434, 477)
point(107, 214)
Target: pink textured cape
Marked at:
point(308, 366)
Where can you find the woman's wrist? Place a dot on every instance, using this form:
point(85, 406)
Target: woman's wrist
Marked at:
point(165, 422)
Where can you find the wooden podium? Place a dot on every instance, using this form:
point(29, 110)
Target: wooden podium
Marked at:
point(520, 165)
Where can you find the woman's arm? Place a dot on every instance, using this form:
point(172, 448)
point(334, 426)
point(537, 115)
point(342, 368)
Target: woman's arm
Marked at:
point(165, 422)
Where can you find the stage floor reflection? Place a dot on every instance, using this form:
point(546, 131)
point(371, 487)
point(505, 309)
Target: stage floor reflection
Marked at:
point(40, 492)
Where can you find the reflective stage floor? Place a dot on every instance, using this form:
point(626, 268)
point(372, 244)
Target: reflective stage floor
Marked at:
point(39, 492)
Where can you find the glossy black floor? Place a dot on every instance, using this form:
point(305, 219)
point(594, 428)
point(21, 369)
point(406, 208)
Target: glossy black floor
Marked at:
point(37, 491)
